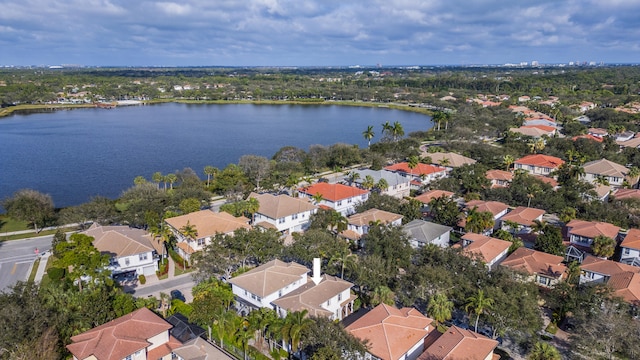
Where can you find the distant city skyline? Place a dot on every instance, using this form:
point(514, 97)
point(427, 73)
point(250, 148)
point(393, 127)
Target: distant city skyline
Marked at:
point(316, 33)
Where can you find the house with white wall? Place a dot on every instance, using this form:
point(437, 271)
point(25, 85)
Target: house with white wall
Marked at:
point(282, 212)
point(458, 344)
point(490, 250)
point(630, 248)
point(339, 197)
point(544, 269)
point(538, 164)
point(422, 174)
point(130, 249)
point(522, 218)
point(422, 232)
point(615, 174)
point(622, 279)
point(582, 233)
point(360, 222)
point(399, 185)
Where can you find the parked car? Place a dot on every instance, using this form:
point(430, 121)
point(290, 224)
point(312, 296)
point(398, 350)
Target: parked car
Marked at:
point(177, 295)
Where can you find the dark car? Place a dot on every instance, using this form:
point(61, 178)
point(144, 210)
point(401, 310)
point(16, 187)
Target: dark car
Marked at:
point(177, 294)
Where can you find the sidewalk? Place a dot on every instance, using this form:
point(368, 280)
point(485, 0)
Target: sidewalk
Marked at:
point(44, 258)
point(31, 231)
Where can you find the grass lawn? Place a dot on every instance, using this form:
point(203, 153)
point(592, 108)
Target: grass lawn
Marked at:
point(33, 234)
point(8, 224)
point(34, 270)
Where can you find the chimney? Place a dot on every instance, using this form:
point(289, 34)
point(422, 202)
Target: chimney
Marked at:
point(316, 271)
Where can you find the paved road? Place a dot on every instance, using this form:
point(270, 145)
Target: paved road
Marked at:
point(17, 257)
point(184, 283)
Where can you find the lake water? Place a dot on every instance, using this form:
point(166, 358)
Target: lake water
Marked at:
point(76, 154)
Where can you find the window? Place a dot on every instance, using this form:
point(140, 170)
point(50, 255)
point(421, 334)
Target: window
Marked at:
point(328, 302)
point(543, 280)
point(547, 170)
point(142, 256)
point(200, 242)
point(627, 251)
point(531, 167)
point(349, 201)
point(340, 297)
point(363, 197)
point(294, 216)
point(126, 261)
point(281, 221)
point(279, 293)
point(339, 203)
point(129, 357)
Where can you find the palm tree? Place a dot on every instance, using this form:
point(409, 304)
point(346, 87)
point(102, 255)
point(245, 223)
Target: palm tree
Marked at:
point(443, 162)
point(603, 246)
point(478, 221)
point(513, 226)
point(573, 272)
point(369, 134)
point(171, 178)
point(601, 180)
point(345, 258)
point(633, 174)
point(412, 163)
point(157, 178)
point(440, 308)
point(210, 171)
point(317, 198)
point(544, 351)
point(189, 231)
point(397, 130)
point(352, 176)
point(165, 303)
point(139, 180)
point(382, 294)
point(438, 116)
point(382, 185)
point(387, 128)
point(477, 304)
point(531, 193)
point(539, 226)
point(295, 324)
point(368, 182)
point(243, 335)
point(507, 160)
point(338, 222)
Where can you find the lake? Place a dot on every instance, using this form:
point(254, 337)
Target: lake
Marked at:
point(76, 154)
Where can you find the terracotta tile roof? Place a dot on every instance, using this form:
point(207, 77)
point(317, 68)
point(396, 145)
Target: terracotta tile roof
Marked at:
point(632, 240)
point(523, 215)
point(622, 194)
point(310, 296)
point(540, 160)
point(184, 246)
point(547, 180)
point(494, 207)
point(426, 197)
point(364, 218)
point(605, 167)
point(606, 267)
point(421, 169)
point(333, 192)
point(535, 131)
point(164, 349)
point(455, 160)
point(598, 131)
point(119, 240)
point(391, 332)
point(279, 206)
point(536, 262)
point(200, 349)
point(209, 223)
point(588, 136)
point(350, 234)
point(627, 286)
point(120, 337)
point(488, 248)
point(499, 175)
point(458, 344)
point(591, 229)
point(270, 277)
point(633, 143)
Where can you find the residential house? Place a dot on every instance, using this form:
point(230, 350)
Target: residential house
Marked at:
point(391, 333)
point(360, 222)
point(625, 136)
point(543, 120)
point(630, 248)
point(524, 217)
point(588, 137)
point(422, 174)
point(490, 250)
point(624, 194)
point(399, 185)
point(283, 212)
point(535, 131)
point(524, 98)
point(582, 233)
point(339, 197)
point(200, 349)
point(448, 159)
point(623, 279)
point(140, 335)
point(130, 249)
point(423, 232)
point(538, 164)
point(586, 106)
point(545, 269)
point(496, 208)
point(207, 224)
point(615, 174)
point(598, 132)
point(499, 178)
point(260, 286)
point(286, 287)
point(632, 143)
point(458, 343)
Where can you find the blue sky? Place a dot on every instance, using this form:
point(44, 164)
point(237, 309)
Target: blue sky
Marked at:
point(321, 33)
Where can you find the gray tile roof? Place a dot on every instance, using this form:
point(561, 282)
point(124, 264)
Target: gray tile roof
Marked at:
point(424, 231)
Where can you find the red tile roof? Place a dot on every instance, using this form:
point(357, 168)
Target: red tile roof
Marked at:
point(391, 332)
point(541, 127)
point(458, 344)
point(591, 229)
point(540, 160)
point(333, 192)
point(120, 337)
point(421, 169)
point(426, 197)
point(588, 136)
point(632, 240)
point(523, 215)
point(494, 207)
point(488, 248)
point(622, 194)
point(499, 175)
point(536, 262)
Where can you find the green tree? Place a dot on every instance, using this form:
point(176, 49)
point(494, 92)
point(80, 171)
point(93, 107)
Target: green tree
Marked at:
point(84, 261)
point(478, 304)
point(508, 160)
point(189, 205)
point(210, 171)
point(397, 131)
point(478, 221)
point(369, 134)
point(139, 180)
point(171, 179)
point(444, 210)
point(295, 324)
point(157, 178)
point(31, 206)
point(550, 241)
point(440, 308)
point(382, 295)
point(368, 182)
point(544, 351)
point(603, 246)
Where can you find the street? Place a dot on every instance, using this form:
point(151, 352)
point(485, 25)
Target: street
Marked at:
point(184, 283)
point(17, 257)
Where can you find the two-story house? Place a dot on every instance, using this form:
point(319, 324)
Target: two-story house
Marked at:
point(339, 197)
point(520, 220)
point(630, 248)
point(624, 280)
point(538, 164)
point(614, 174)
point(490, 250)
point(499, 178)
point(422, 232)
point(496, 208)
point(458, 343)
point(283, 212)
point(130, 249)
point(448, 160)
point(391, 333)
point(422, 174)
point(359, 223)
point(398, 185)
point(582, 233)
point(544, 269)
point(207, 225)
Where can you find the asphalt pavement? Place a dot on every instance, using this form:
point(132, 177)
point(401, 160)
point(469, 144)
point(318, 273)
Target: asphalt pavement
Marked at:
point(17, 258)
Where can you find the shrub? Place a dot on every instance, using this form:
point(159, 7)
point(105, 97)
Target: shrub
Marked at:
point(142, 279)
point(55, 273)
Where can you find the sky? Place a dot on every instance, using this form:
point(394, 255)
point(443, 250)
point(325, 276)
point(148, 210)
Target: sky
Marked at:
point(317, 32)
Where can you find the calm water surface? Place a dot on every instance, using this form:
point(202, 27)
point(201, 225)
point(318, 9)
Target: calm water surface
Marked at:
point(76, 154)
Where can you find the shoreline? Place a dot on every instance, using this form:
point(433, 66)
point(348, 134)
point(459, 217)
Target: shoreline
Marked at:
point(8, 111)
